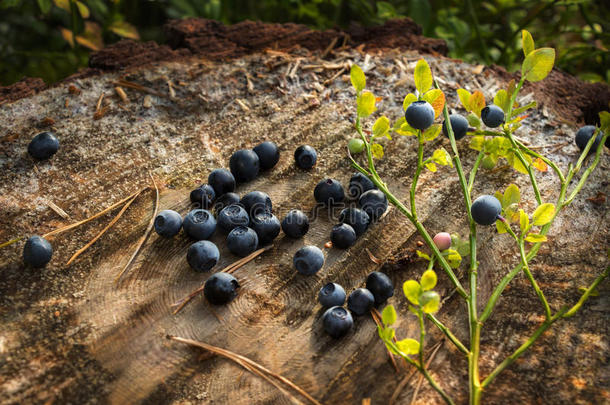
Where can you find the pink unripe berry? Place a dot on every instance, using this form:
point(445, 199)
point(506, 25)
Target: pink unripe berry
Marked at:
point(442, 240)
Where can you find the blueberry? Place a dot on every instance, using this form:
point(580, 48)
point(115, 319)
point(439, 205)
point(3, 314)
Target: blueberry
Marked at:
point(485, 210)
point(244, 165)
point(442, 240)
point(343, 236)
point(220, 288)
point(337, 321)
point(331, 295)
point(267, 227)
point(420, 115)
point(359, 184)
point(492, 116)
point(43, 146)
point(374, 203)
point(268, 154)
point(356, 218)
point(37, 251)
point(360, 301)
point(459, 125)
point(355, 145)
point(256, 202)
point(233, 216)
point(380, 286)
point(222, 181)
point(202, 255)
point(305, 157)
point(295, 224)
point(225, 200)
point(582, 138)
point(308, 260)
point(199, 224)
point(203, 196)
point(168, 223)
point(329, 192)
point(242, 241)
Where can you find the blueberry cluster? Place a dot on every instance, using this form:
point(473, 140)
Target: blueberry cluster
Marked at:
point(338, 321)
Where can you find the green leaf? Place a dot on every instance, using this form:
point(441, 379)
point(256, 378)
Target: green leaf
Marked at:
point(527, 42)
point(430, 301)
point(431, 166)
point(538, 64)
point(442, 157)
point(422, 76)
point(436, 98)
point(381, 126)
point(464, 96)
point(604, 119)
point(524, 221)
point(45, 6)
point(406, 130)
point(366, 104)
point(428, 280)
point(543, 214)
point(412, 291)
point(535, 238)
point(516, 163)
point(388, 334)
point(408, 346)
point(512, 195)
point(502, 100)
point(501, 227)
point(357, 77)
point(84, 12)
point(524, 108)
point(473, 120)
point(124, 29)
point(409, 99)
point(453, 258)
point(388, 315)
point(377, 150)
point(422, 255)
point(432, 132)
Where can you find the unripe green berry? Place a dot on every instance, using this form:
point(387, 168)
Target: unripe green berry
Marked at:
point(355, 145)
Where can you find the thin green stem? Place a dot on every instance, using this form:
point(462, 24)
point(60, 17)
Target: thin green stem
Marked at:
point(420, 165)
point(590, 169)
point(422, 338)
point(544, 159)
point(473, 171)
point(530, 276)
point(587, 293)
point(448, 333)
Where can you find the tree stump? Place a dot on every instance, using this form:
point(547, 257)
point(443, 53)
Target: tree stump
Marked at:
point(70, 335)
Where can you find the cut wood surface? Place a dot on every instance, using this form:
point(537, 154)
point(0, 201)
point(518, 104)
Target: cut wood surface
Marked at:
point(69, 334)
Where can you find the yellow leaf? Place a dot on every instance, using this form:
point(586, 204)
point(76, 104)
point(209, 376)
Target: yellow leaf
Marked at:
point(412, 291)
point(422, 76)
point(527, 42)
point(381, 126)
point(428, 280)
point(477, 102)
point(63, 4)
point(464, 96)
point(543, 214)
point(366, 104)
point(377, 150)
point(524, 220)
point(408, 346)
point(431, 166)
point(538, 64)
point(540, 165)
point(82, 9)
point(409, 99)
point(124, 29)
point(357, 78)
point(501, 227)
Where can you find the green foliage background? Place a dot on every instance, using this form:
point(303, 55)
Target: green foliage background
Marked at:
point(35, 35)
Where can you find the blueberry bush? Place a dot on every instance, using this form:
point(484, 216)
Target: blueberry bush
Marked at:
point(491, 132)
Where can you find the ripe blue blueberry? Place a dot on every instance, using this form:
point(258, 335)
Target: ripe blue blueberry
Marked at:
point(232, 216)
point(242, 241)
point(331, 295)
point(199, 224)
point(295, 224)
point(329, 192)
point(380, 286)
point(420, 115)
point(582, 138)
point(37, 251)
point(359, 184)
point(202, 255)
point(308, 260)
point(267, 227)
point(485, 210)
point(374, 203)
point(220, 288)
point(492, 116)
point(356, 218)
point(305, 157)
point(268, 154)
point(203, 196)
point(459, 125)
point(43, 146)
point(343, 236)
point(360, 301)
point(225, 200)
point(222, 181)
point(256, 202)
point(168, 223)
point(337, 321)
point(244, 165)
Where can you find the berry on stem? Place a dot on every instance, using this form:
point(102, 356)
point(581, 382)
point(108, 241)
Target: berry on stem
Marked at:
point(168, 223)
point(485, 210)
point(420, 115)
point(305, 157)
point(442, 240)
point(492, 116)
point(459, 125)
point(355, 145)
point(582, 138)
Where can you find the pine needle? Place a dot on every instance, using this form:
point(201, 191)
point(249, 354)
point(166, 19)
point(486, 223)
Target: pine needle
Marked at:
point(247, 364)
point(145, 236)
